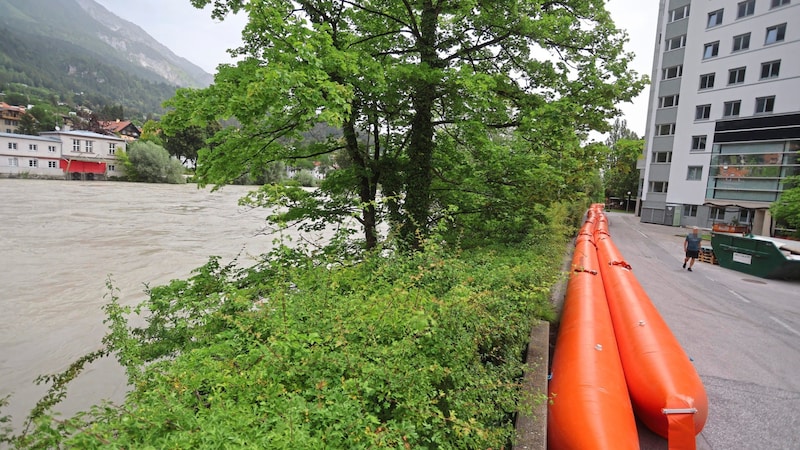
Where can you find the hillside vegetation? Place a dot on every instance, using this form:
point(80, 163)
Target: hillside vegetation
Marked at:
point(74, 51)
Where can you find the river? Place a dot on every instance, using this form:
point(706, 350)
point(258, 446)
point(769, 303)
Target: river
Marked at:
point(59, 243)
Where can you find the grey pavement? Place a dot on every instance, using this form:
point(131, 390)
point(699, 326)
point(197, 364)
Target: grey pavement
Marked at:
point(741, 331)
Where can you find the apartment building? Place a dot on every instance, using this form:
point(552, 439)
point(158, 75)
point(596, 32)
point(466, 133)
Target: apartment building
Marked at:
point(723, 125)
point(29, 156)
point(87, 155)
point(67, 154)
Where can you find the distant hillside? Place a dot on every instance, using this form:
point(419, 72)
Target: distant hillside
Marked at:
point(77, 46)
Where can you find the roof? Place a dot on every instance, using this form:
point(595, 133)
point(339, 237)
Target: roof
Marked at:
point(82, 133)
point(719, 203)
point(4, 105)
point(116, 125)
point(31, 137)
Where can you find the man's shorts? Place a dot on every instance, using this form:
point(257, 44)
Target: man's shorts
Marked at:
point(693, 254)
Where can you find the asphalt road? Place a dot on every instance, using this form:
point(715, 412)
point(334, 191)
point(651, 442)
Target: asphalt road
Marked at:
point(743, 333)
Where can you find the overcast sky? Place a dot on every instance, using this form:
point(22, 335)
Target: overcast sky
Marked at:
point(192, 34)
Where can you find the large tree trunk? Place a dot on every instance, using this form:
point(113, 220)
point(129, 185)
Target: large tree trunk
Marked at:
point(421, 145)
point(367, 181)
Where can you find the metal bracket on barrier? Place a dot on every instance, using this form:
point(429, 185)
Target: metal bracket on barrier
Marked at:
point(620, 263)
point(679, 410)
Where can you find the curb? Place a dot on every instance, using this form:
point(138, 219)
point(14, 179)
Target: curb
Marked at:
point(531, 426)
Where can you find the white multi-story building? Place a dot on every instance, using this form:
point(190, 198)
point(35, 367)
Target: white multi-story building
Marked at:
point(75, 155)
point(29, 156)
point(723, 125)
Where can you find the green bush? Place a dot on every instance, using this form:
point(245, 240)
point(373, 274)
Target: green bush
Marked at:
point(151, 163)
point(414, 351)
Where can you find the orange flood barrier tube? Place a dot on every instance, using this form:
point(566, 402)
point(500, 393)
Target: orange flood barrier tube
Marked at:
point(666, 391)
point(589, 403)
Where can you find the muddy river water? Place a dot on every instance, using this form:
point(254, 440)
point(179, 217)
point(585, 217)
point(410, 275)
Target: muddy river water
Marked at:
point(59, 243)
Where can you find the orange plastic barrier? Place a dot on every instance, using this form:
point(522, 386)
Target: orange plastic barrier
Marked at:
point(589, 403)
point(666, 391)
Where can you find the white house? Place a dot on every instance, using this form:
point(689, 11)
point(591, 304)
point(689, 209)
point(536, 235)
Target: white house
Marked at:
point(30, 156)
point(86, 155)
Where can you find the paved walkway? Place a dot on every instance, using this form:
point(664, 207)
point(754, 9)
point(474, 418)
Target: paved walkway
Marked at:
point(743, 333)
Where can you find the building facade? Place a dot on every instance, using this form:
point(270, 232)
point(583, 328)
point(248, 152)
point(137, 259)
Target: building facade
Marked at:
point(23, 156)
point(723, 125)
point(10, 117)
point(72, 155)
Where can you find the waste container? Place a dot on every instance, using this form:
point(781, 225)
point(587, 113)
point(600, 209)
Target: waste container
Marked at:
point(757, 255)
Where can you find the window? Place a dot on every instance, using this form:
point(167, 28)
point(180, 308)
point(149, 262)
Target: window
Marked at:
point(12, 145)
point(658, 186)
point(745, 216)
point(672, 72)
point(676, 42)
point(736, 76)
point(765, 104)
point(702, 112)
point(731, 108)
point(699, 142)
point(694, 173)
point(662, 157)
point(33, 163)
point(52, 165)
point(707, 81)
point(770, 69)
point(777, 3)
point(665, 129)
point(13, 162)
point(679, 13)
point(76, 145)
point(690, 210)
point(741, 42)
point(714, 18)
point(746, 8)
point(711, 50)
point(668, 101)
point(112, 148)
point(111, 168)
point(775, 34)
point(51, 148)
point(89, 146)
point(717, 214)
point(33, 147)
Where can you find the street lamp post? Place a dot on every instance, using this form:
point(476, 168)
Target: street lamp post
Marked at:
point(628, 202)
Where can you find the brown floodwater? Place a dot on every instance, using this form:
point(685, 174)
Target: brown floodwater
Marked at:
point(59, 243)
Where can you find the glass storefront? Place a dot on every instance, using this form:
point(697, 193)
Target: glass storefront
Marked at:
point(751, 171)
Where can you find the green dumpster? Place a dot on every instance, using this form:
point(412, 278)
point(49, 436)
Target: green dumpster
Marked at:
point(757, 255)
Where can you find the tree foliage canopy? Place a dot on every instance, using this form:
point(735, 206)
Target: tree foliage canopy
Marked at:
point(151, 163)
point(787, 208)
point(620, 174)
point(434, 100)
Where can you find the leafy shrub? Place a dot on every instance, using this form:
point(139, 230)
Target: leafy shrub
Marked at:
point(151, 163)
point(412, 351)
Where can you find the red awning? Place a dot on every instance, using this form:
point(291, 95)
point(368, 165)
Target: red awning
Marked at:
point(72, 165)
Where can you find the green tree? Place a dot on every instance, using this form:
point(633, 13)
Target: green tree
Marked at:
point(621, 175)
point(151, 132)
point(48, 118)
point(28, 125)
point(153, 164)
point(401, 79)
point(624, 148)
point(787, 207)
point(184, 142)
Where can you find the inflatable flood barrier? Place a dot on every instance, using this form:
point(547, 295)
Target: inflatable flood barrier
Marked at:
point(666, 391)
point(589, 403)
